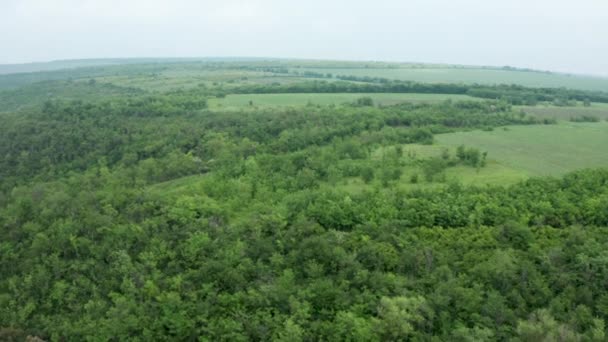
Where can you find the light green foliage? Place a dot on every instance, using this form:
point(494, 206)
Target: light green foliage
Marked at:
point(400, 317)
point(291, 332)
point(350, 327)
point(475, 334)
point(543, 327)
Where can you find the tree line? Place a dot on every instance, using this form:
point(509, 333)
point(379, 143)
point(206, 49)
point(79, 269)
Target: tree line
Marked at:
point(514, 94)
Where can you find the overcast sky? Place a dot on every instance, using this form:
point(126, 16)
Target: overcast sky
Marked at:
point(560, 35)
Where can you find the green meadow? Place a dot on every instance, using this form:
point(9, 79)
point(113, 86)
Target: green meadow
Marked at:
point(536, 150)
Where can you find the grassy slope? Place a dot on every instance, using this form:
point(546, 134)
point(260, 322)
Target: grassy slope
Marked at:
point(269, 100)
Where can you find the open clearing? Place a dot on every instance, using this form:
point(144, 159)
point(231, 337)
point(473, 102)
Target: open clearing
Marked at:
point(270, 100)
point(549, 150)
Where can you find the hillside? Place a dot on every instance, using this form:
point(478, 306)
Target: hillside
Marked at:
point(255, 200)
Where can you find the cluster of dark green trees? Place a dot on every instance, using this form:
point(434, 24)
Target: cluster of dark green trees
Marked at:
point(514, 94)
point(151, 218)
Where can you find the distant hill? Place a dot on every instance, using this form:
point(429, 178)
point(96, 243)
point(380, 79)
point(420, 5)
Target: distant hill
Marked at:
point(54, 65)
point(79, 63)
point(180, 69)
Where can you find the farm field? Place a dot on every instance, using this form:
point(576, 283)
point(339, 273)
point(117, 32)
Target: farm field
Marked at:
point(538, 150)
point(239, 101)
point(475, 75)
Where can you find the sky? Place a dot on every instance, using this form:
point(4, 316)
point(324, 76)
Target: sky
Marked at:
point(558, 35)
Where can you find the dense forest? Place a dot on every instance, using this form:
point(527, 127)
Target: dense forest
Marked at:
point(150, 217)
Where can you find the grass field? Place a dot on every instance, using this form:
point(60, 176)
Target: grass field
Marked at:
point(475, 75)
point(495, 172)
point(273, 100)
point(598, 110)
point(551, 150)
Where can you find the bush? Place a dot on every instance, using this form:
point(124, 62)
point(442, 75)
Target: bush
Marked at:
point(367, 174)
point(585, 118)
point(365, 101)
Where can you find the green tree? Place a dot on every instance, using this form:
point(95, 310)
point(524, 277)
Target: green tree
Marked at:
point(399, 318)
point(541, 326)
point(367, 174)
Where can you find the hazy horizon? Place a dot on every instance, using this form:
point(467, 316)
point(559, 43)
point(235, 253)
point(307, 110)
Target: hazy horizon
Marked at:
point(545, 35)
